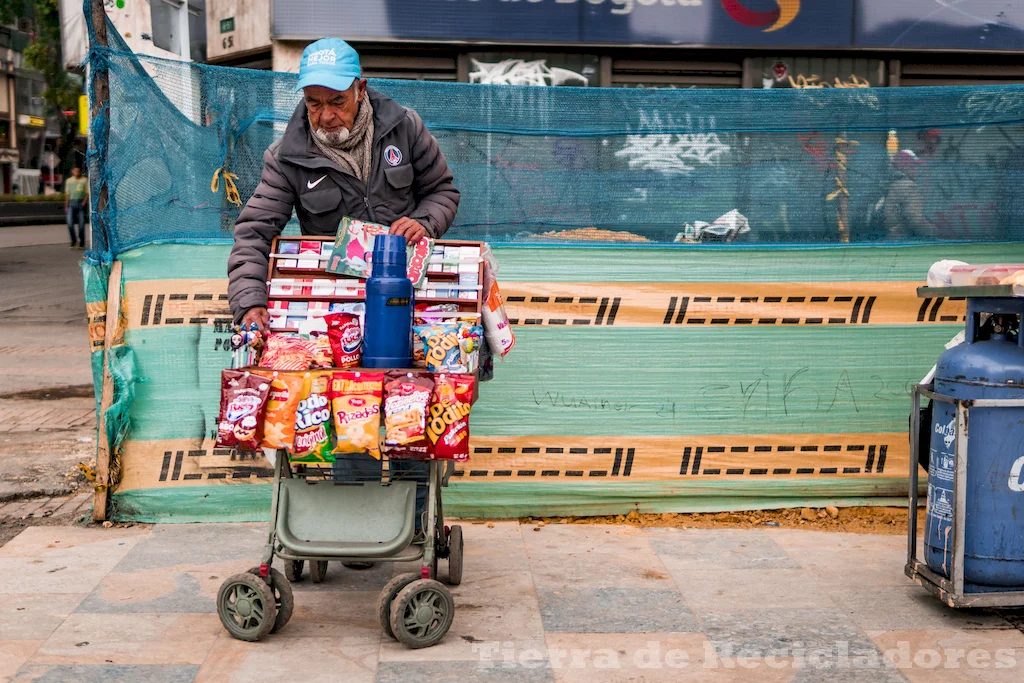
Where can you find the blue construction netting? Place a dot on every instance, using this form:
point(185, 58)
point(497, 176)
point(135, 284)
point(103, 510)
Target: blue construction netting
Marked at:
point(538, 164)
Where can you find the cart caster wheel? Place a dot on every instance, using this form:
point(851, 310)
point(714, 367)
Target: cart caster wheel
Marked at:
point(455, 556)
point(283, 598)
point(293, 570)
point(247, 607)
point(318, 570)
point(422, 613)
point(387, 596)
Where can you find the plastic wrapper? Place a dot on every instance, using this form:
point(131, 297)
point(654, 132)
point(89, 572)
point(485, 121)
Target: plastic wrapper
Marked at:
point(496, 326)
point(346, 339)
point(451, 347)
point(243, 401)
point(448, 421)
point(279, 423)
point(323, 353)
point(355, 404)
point(313, 421)
point(287, 352)
point(354, 246)
point(406, 405)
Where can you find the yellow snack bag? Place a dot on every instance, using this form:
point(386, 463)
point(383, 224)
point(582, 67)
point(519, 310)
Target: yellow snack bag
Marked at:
point(355, 403)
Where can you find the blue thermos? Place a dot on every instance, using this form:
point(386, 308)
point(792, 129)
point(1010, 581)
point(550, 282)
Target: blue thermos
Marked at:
point(387, 326)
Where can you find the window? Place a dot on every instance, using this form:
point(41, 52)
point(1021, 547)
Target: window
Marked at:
point(165, 24)
point(533, 68)
point(197, 30)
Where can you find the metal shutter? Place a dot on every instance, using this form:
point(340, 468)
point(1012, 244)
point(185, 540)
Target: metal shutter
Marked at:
point(650, 73)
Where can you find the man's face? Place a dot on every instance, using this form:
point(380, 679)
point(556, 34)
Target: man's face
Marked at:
point(331, 111)
point(76, 172)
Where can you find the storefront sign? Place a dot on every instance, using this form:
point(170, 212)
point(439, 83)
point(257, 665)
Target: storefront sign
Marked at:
point(32, 121)
point(989, 25)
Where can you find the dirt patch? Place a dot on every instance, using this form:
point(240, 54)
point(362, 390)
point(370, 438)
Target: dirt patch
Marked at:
point(860, 520)
point(52, 393)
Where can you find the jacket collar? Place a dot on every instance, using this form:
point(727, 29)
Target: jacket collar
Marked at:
point(297, 144)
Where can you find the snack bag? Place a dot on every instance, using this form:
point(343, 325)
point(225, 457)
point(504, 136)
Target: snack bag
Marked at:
point(346, 339)
point(355, 402)
point(440, 345)
point(243, 400)
point(354, 246)
point(496, 326)
point(279, 424)
point(287, 352)
point(313, 421)
point(407, 397)
point(470, 341)
point(448, 424)
point(323, 354)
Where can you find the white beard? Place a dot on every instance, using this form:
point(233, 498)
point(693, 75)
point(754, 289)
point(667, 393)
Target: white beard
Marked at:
point(332, 138)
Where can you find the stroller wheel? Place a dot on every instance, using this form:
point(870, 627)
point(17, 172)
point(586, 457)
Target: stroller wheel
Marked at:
point(455, 556)
point(293, 570)
point(283, 597)
point(247, 607)
point(422, 613)
point(318, 570)
point(387, 596)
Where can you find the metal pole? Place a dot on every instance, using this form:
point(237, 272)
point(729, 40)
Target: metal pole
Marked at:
point(912, 493)
point(959, 499)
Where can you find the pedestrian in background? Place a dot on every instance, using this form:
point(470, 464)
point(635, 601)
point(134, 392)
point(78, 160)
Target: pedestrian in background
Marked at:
point(76, 191)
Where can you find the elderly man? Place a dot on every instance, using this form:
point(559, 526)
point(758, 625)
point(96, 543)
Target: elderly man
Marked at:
point(347, 151)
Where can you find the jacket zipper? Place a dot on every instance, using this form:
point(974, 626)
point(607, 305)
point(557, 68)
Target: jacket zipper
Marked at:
point(366, 201)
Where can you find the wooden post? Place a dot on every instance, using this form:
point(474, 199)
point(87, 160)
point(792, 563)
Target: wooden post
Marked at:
point(114, 336)
point(100, 91)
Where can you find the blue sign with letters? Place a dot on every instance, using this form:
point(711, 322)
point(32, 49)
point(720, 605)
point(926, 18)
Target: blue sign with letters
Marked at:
point(900, 24)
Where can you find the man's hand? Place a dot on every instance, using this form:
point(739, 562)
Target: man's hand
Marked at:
point(411, 229)
point(257, 315)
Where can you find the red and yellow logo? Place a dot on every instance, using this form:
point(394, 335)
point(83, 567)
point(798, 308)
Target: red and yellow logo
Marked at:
point(769, 21)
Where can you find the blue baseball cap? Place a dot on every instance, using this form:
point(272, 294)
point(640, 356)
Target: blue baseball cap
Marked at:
point(329, 62)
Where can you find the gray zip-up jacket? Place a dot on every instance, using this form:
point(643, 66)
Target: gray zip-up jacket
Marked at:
point(408, 177)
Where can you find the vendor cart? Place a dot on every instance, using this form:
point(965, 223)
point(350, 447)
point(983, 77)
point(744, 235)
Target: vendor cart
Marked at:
point(316, 519)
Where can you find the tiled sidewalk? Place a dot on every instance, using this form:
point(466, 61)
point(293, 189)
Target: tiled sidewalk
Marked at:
point(562, 603)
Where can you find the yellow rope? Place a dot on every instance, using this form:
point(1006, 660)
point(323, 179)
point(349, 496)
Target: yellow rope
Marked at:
point(229, 185)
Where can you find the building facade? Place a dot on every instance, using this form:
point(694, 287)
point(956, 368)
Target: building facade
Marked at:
point(639, 43)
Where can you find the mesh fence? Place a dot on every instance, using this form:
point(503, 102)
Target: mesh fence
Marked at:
point(557, 164)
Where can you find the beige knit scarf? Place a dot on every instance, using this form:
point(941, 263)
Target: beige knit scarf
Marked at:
point(353, 153)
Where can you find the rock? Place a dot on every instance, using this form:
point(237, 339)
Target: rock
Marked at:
point(536, 528)
point(771, 524)
point(808, 514)
point(833, 511)
point(666, 516)
point(540, 524)
point(108, 524)
point(490, 525)
point(822, 514)
point(633, 514)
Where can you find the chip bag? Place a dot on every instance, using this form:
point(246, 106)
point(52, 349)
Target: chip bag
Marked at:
point(313, 421)
point(279, 423)
point(287, 352)
point(354, 246)
point(448, 423)
point(243, 400)
point(451, 347)
point(355, 402)
point(407, 397)
point(346, 339)
point(323, 354)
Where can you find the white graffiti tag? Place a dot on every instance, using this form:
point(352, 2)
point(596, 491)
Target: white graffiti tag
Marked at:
point(522, 72)
point(672, 153)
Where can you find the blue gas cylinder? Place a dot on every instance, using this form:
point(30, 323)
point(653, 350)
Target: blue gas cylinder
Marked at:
point(990, 365)
point(387, 326)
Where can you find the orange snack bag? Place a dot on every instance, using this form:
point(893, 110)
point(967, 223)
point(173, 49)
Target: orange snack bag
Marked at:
point(355, 403)
point(279, 423)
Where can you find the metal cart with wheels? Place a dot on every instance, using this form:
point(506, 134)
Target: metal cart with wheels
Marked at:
point(317, 519)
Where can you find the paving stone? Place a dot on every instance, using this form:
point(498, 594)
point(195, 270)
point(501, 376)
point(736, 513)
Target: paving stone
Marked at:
point(35, 617)
point(462, 672)
point(614, 610)
point(105, 673)
point(784, 633)
point(329, 659)
point(719, 549)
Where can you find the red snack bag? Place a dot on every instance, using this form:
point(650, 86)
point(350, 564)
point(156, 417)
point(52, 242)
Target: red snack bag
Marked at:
point(346, 339)
point(406, 401)
point(448, 424)
point(323, 354)
point(287, 352)
point(243, 401)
